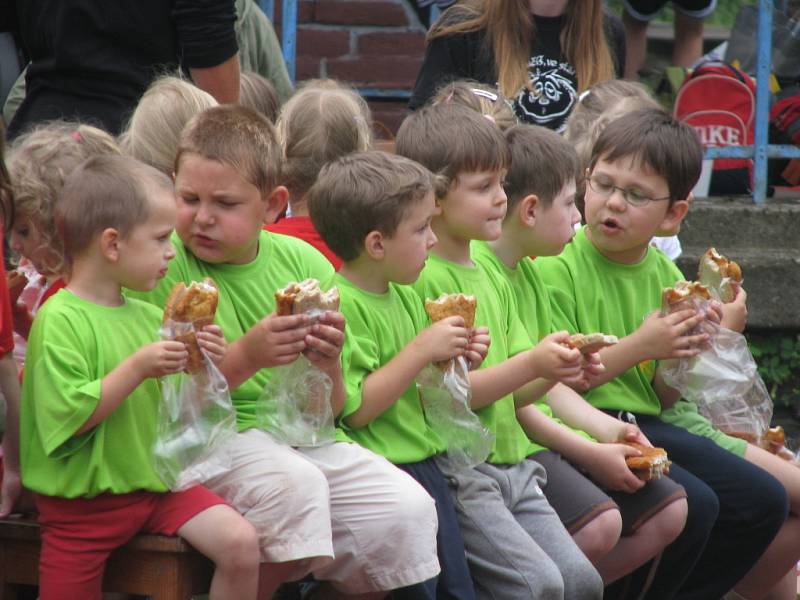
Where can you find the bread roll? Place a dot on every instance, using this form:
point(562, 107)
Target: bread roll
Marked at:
point(195, 304)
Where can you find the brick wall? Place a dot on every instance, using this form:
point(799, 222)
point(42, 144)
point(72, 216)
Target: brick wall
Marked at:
point(368, 43)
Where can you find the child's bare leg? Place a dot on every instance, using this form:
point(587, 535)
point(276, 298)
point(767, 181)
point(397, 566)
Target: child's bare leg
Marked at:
point(632, 551)
point(688, 40)
point(635, 45)
point(786, 588)
point(225, 537)
point(599, 536)
point(272, 575)
point(782, 554)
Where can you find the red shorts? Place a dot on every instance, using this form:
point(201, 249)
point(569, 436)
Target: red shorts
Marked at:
point(79, 534)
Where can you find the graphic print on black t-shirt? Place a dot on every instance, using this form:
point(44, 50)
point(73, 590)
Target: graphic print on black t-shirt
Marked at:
point(552, 93)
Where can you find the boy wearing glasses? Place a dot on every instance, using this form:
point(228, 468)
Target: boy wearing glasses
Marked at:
point(618, 521)
point(642, 170)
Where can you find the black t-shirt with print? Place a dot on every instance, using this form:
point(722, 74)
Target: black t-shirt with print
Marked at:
point(554, 91)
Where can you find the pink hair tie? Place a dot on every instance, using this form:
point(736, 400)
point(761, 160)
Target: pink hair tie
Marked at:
point(76, 135)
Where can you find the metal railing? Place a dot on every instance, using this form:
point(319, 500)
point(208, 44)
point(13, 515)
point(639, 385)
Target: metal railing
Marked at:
point(761, 150)
point(288, 30)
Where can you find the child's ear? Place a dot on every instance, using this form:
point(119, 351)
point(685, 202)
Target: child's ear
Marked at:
point(109, 244)
point(275, 204)
point(671, 224)
point(373, 245)
point(528, 209)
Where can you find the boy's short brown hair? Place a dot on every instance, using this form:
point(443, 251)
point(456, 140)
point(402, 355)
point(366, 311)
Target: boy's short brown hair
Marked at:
point(542, 163)
point(102, 192)
point(363, 192)
point(655, 140)
point(450, 139)
point(238, 136)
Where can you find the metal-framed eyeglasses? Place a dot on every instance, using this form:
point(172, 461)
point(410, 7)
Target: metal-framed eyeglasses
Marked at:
point(604, 187)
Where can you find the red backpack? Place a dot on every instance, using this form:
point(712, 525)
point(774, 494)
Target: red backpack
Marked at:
point(719, 101)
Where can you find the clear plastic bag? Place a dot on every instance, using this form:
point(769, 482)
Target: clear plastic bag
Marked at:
point(196, 420)
point(724, 383)
point(295, 406)
point(445, 397)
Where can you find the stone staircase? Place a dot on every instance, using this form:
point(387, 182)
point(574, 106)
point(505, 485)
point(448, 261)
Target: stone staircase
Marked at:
point(764, 239)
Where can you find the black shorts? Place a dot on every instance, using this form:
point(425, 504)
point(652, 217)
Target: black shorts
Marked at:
point(577, 500)
point(646, 10)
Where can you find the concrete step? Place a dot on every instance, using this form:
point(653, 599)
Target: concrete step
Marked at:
point(731, 224)
point(764, 240)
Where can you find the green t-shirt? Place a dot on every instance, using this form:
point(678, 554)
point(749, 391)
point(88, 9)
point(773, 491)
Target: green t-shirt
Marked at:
point(496, 309)
point(533, 303)
point(74, 344)
point(590, 293)
point(246, 295)
point(378, 327)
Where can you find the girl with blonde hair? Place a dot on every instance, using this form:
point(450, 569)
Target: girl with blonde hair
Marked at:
point(39, 162)
point(540, 53)
point(485, 99)
point(321, 122)
point(153, 131)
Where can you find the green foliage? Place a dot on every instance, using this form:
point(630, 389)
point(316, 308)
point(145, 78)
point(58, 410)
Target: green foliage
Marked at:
point(778, 358)
point(723, 15)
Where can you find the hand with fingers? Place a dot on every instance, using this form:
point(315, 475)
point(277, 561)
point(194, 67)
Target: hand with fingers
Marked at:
point(324, 342)
point(276, 340)
point(671, 336)
point(211, 340)
point(442, 340)
point(606, 465)
point(478, 347)
point(160, 358)
point(553, 359)
point(734, 313)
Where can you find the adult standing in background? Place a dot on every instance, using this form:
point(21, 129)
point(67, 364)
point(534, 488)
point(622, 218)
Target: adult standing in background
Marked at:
point(540, 53)
point(92, 59)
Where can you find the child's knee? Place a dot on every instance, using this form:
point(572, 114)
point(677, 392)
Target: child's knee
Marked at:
point(671, 520)
point(237, 549)
point(599, 536)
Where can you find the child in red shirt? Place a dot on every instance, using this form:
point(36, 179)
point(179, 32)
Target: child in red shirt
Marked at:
point(321, 122)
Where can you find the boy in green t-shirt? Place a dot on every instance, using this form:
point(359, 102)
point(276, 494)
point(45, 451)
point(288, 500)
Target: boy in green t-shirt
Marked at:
point(516, 545)
point(91, 394)
point(326, 509)
point(540, 186)
point(609, 279)
point(374, 210)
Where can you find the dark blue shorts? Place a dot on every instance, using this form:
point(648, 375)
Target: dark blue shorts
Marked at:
point(454, 581)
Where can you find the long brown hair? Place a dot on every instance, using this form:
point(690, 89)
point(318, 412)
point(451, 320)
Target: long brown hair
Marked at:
point(510, 32)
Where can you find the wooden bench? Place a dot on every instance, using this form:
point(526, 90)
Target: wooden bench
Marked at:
point(162, 567)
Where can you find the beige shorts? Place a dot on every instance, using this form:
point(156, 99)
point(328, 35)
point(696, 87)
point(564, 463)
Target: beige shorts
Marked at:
point(346, 514)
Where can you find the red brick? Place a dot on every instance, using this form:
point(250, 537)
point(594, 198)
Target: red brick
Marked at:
point(307, 68)
point(377, 71)
point(345, 12)
point(322, 42)
point(405, 43)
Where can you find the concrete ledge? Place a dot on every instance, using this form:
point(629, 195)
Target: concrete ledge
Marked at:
point(764, 240)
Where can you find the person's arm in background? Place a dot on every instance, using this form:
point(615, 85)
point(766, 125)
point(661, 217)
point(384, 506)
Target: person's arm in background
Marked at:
point(12, 484)
point(207, 40)
point(221, 81)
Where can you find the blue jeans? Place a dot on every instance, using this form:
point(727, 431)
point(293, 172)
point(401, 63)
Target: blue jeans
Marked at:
point(735, 510)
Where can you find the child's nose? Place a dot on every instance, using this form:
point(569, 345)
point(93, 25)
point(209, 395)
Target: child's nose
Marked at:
point(617, 200)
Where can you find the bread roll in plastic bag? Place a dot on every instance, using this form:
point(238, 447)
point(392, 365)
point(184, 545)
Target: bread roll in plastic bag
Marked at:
point(446, 394)
point(295, 406)
point(196, 420)
point(723, 381)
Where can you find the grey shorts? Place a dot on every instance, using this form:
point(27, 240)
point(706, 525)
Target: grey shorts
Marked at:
point(647, 10)
point(577, 500)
